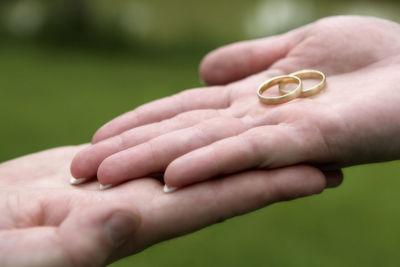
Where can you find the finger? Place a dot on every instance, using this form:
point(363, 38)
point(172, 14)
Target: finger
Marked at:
point(86, 162)
point(262, 147)
point(100, 231)
point(239, 60)
point(102, 228)
point(333, 178)
point(165, 108)
point(155, 155)
point(213, 201)
point(257, 188)
point(165, 216)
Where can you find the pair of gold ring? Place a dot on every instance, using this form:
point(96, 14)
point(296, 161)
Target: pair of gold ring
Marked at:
point(294, 77)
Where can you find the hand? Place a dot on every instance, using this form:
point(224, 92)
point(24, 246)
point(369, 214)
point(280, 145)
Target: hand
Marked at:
point(47, 222)
point(202, 133)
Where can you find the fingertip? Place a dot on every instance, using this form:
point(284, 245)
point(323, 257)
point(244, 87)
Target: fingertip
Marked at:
point(170, 177)
point(112, 170)
point(82, 164)
point(239, 60)
point(110, 129)
point(314, 181)
point(205, 67)
point(333, 178)
point(77, 167)
point(212, 68)
point(115, 127)
point(99, 135)
point(106, 172)
point(175, 175)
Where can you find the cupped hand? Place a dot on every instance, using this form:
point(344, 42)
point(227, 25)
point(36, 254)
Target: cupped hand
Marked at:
point(206, 132)
point(45, 221)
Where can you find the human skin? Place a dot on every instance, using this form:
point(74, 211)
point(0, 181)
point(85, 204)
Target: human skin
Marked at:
point(206, 132)
point(45, 221)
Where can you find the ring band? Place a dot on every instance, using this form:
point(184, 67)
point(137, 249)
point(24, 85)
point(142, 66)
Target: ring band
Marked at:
point(287, 96)
point(307, 74)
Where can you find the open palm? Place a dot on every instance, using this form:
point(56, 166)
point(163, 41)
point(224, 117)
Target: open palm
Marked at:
point(206, 132)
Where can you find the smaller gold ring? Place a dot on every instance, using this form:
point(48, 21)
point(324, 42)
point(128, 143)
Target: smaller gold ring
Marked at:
point(307, 74)
point(287, 96)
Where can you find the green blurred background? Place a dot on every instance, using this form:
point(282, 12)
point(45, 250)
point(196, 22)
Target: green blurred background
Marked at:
point(68, 66)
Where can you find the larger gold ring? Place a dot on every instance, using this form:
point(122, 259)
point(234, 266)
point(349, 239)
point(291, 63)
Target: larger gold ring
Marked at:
point(307, 74)
point(287, 96)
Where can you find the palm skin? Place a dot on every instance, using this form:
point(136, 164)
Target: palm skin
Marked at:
point(45, 221)
point(206, 132)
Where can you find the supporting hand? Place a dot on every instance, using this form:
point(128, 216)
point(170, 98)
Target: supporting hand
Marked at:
point(47, 222)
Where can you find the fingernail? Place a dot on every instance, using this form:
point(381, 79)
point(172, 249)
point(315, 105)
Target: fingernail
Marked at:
point(106, 186)
point(333, 178)
point(168, 189)
point(75, 181)
point(120, 227)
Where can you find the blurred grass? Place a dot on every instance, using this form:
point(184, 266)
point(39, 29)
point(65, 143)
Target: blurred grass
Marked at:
point(55, 96)
point(58, 96)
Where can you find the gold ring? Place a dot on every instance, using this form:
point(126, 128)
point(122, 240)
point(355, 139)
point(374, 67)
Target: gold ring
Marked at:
point(287, 96)
point(307, 74)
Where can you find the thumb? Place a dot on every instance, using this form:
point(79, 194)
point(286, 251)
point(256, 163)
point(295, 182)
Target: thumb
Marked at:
point(87, 237)
point(91, 235)
point(239, 60)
